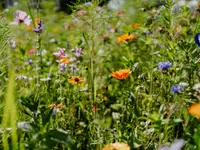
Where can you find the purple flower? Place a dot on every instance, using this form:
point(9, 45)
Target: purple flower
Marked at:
point(197, 39)
point(60, 53)
point(176, 145)
point(21, 17)
point(30, 61)
point(62, 67)
point(164, 65)
point(74, 68)
point(78, 52)
point(176, 89)
point(40, 26)
point(87, 4)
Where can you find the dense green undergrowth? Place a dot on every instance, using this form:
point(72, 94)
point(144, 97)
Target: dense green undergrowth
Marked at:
point(100, 76)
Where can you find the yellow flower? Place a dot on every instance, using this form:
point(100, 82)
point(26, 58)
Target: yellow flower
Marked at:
point(125, 37)
point(121, 74)
point(75, 80)
point(36, 21)
point(117, 146)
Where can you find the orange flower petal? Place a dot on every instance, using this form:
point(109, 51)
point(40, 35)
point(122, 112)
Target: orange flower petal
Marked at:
point(194, 110)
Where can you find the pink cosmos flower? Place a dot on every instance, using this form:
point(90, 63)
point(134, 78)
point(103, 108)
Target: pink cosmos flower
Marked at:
point(21, 17)
point(60, 53)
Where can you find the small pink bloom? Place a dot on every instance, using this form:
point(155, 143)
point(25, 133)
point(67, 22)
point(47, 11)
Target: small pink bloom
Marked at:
point(31, 51)
point(81, 13)
point(21, 17)
point(60, 53)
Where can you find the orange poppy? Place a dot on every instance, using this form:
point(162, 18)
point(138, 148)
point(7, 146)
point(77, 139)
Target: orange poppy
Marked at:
point(121, 74)
point(75, 80)
point(125, 37)
point(64, 60)
point(117, 146)
point(194, 110)
point(135, 25)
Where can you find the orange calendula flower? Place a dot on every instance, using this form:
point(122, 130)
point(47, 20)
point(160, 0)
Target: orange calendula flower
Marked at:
point(64, 60)
point(121, 74)
point(75, 80)
point(117, 146)
point(194, 110)
point(125, 37)
point(135, 25)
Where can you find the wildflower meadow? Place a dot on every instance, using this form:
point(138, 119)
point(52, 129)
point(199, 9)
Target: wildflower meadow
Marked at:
point(100, 75)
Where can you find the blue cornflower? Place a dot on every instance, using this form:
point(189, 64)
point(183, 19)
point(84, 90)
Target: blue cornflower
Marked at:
point(197, 39)
point(176, 89)
point(40, 26)
point(164, 65)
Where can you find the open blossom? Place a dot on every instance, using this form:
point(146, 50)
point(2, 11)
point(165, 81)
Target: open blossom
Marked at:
point(194, 110)
point(78, 52)
point(75, 80)
point(64, 60)
point(60, 53)
point(125, 37)
point(176, 89)
point(164, 65)
point(176, 145)
point(21, 17)
point(62, 67)
point(121, 74)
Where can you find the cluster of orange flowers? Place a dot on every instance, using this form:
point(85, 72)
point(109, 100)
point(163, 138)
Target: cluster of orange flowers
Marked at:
point(117, 146)
point(125, 37)
point(121, 74)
